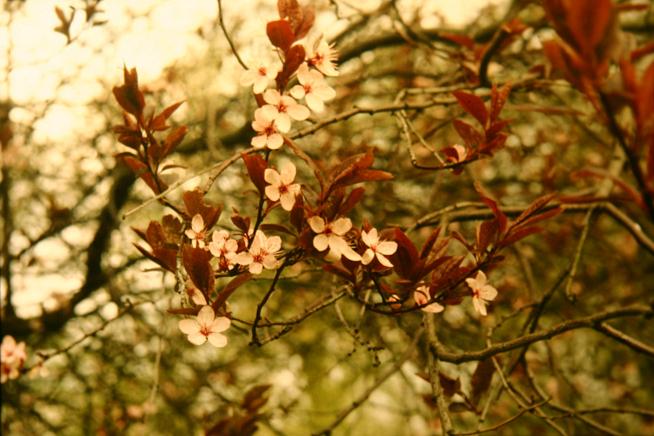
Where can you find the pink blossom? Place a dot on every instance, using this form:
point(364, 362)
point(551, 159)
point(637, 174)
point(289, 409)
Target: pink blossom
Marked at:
point(224, 248)
point(267, 129)
point(12, 358)
point(259, 77)
point(197, 232)
point(261, 253)
point(422, 296)
point(377, 248)
point(330, 235)
point(482, 292)
point(206, 327)
point(281, 186)
point(281, 108)
point(321, 55)
point(313, 88)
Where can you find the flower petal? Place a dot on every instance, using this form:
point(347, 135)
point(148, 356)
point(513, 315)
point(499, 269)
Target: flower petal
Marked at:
point(272, 192)
point(197, 338)
point(317, 224)
point(220, 324)
point(387, 247)
point(298, 112)
point(384, 261)
point(188, 326)
point(367, 257)
point(206, 316)
point(275, 141)
point(218, 340)
point(341, 226)
point(271, 176)
point(321, 242)
point(287, 201)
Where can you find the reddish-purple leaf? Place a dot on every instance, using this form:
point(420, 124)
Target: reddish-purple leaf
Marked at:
point(471, 136)
point(492, 204)
point(159, 122)
point(280, 34)
point(173, 139)
point(256, 166)
point(195, 204)
point(481, 379)
point(498, 98)
point(196, 263)
point(473, 105)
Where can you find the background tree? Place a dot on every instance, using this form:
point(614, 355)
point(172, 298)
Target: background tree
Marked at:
point(507, 166)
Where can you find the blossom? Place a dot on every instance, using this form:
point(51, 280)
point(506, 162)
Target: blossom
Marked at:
point(313, 88)
point(461, 152)
point(321, 55)
point(224, 248)
point(261, 253)
point(377, 248)
point(281, 186)
point(197, 232)
point(422, 296)
point(206, 326)
point(267, 129)
point(259, 77)
point(281, 108)
point(331, 235)
point(12, 358)
point(482, 292)
point(195, 294)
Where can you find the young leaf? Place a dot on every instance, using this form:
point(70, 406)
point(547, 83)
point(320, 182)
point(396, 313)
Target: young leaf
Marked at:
point(280, 34)
point(473, 105)
point(196, 263)
point(471, 136)
point(256, 166)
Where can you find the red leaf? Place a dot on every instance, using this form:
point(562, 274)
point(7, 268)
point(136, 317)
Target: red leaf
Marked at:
point(297, 213)
point(229, 289)
point(535, 207)
point(128, 95)
point(352, 199)
point(429, 243)
point(173, 139)
point(294, 58)
point(159, 122)
point(481, 379)
point(473, 105)
point(242, 223)
point(498, 98)
point(407, 260)
point(519, 234)
point(280, 34)
point(486, 234)
point(140, 169)
point(287, 7)
point(195, 204)
point(471, 136)
point(196, 263)
point(588, 20)
point(256, 166)
point(492, 204)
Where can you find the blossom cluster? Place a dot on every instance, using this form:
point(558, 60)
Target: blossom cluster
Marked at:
point(274, 118)
point(12, 358)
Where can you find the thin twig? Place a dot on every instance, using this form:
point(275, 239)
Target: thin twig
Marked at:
point(229, 40)
point(434, 374)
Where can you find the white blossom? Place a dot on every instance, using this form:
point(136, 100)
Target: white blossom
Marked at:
point(313, 88)
point(206, 327)
point(281, 186)
point(267, 129)
point(224, 248)
point(377, 248)
point(260, 77)
point(281, 108)
point(12, 358)
point(321, 55)
point(197, 232)
point(482, 292)
point(330, 235)
point(422, 296)
point(261, 253)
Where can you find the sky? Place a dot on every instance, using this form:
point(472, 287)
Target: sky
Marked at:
point(38, 66)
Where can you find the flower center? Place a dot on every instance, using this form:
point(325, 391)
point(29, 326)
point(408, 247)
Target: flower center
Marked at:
point(205, 330)
point(262, 71)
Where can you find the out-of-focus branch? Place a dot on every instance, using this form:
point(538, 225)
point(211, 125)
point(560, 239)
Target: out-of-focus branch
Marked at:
point(380, 380)
point(434, 374)
point(586, 322)
point(229, 39)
